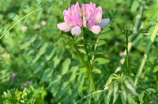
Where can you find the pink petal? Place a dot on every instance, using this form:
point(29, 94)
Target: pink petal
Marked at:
point(91, 10)
point(97, 15)
point(91, 23)
point(64, 27)
point(77, 8)
point(87, 14)
point(84, 21)
point(64, 12)
point(96, 29)
point(77, 20)
point(93, 5)
point(76, 30)
point(100, 8)
point(104, 23)
point(84, 9)
point(68, 20)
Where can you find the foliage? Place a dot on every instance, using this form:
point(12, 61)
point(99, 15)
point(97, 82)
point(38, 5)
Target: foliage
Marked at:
point(37, 52)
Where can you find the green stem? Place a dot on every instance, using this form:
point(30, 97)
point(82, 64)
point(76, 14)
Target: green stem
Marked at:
point(95, 47)
point(83, 61)
point(1, 97)
point(89, 63)
point(127, 63)
point(152, 38)
point(131, 38)
point(19, 21)
point(151, 15)
point(87, 67)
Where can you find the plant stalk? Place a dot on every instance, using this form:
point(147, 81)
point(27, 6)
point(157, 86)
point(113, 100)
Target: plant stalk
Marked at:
point(131, 38)
point(127, 62)
point(151, 40)
point(87, 67)
point(89, 63)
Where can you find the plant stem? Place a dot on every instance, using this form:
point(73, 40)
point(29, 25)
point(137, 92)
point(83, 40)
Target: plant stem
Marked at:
point(89, 63)
point(131, 38)
point(19, 21)
point(87, 67)
point(151, 40)
point(127, 64)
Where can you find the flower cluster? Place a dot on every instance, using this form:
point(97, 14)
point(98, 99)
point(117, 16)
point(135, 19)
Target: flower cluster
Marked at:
point(89, 16)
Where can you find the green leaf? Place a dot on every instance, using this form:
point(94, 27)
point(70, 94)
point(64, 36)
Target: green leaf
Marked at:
point(155, 69)
point(88, 99)
point(96, 70)
point(32, 39)
point(50, 52)
point(50, 8)
point(39, 66)
point(138, 40)
point(26, 19)
point(7, 34)
point(65, 66)
point(47, 73)
point(57, 59)
point(2, 30)
point(28, 52)
point(98, 97)
point(122, 99)
point(37, 43)
point(49, 2)
point(18, 26)
point(80, 84)
point(101, 42)
point(144, 5)
point(55, 82)
point(25, 45)
point(39, 14)
point(34, 59)
point(39, 3)
point(25, 7)
point(71, 74)
point(90, 33)
point(43, 48)
point(14, 16)
point(134, 6)
point(106, 100)
point(141, 96)
point(102, 61)
point(81, 70)
point(107, 29)
point(63, 89)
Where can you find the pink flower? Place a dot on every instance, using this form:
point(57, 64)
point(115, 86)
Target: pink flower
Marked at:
point(38, 26)
point(23, 28)
point(13, 76)
point(90, 15)
point(43, 23)
point(121, 54)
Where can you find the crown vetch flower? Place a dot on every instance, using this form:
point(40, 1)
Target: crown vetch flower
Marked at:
point(89, 16)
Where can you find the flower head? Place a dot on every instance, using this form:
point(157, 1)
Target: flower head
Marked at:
point(43, 23)
point(88, 16)
point(121, 54)
point(23, 28)
point(38, 26)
